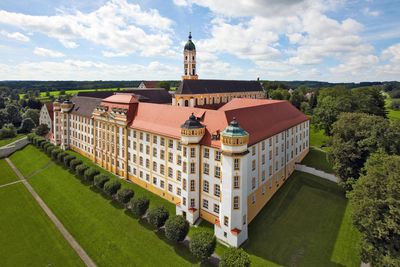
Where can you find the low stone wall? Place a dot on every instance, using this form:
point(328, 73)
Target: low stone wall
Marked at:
point(7, 150)
point(313, 171)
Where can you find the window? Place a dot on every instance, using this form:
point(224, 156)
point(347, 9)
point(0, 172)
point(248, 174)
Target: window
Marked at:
point(141, 161)
point(154, 139)
point(236, 182)
point(217, 172)
point(141, 135)
point(147, 150)
point(192, 152)
point(263, 159)
point(184, 151)
point(206, 168)
point(192, 167)
point(236, 203)
point(178, 191)
point(162, 184)
point(162, 154)
point(162, 171)
point(162, 142)
point(192, 203)
point(236, 164)
point(170, 157)
point(184, 201)
point(253, 165)
point(253, 150)
point(154, 166)
point(154, 180)
point(205, 203)
point(253, 183)
point(244, 219)
point(263, 145)
point(206, 186)
point(217, 155)
point(206, 153)
point(263, 175)
point(226, 220)
point(178, 175)
point(217, 190)
point(154, 152)
point(141, 148)
point(216, 208)
point(270, 154)
point(170, 172)
point(147, 163)
point(253, 199)
point(170, 187)
point(147, 137)
point(170, 143)
point(184, 167)
point(184, 184)
point(192, 185)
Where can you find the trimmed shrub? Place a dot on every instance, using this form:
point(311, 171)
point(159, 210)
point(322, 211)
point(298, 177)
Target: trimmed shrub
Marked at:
point(45, 146)
point(124, 195)
point(111, 187)
point(40, 141)
point(235, 257)
point(54, 153)
point(50, 149)
point(157, 216)
point(89, 174)
point(67, 160)
point(80, 170)
point(100, 180)
point(139, 206)
point(60, 157)
point(30, 137)
point(202, 245)
point(176, 228)
point(73, 163)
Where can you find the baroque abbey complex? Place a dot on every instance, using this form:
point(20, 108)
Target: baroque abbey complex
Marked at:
point(217, 149)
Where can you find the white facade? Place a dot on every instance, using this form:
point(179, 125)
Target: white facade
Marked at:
point(45, 117)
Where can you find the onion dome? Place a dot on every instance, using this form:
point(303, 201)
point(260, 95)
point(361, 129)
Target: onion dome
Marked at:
point(234, 130)
point(189, 44)
point(192, 123)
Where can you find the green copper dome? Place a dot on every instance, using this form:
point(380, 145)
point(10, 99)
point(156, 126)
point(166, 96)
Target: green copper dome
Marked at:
point(189, 44)
point(192, 123)
point(234, 130)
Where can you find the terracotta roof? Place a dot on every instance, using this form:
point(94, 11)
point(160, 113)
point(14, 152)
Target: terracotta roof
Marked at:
point(151, 84)
point(84, 106)
point(217, 86)
point(260, 118)
point(121, 98)
point(49, 107)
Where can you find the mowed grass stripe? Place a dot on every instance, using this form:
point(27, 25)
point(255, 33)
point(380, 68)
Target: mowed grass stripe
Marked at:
point(105, 231)
point(6, 173)
point(27, 236)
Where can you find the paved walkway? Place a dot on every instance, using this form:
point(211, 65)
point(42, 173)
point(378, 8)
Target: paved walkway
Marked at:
point(4, 185)
point(70, 239)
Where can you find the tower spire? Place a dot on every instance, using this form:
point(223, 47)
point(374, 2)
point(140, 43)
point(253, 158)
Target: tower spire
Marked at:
point(189, 59)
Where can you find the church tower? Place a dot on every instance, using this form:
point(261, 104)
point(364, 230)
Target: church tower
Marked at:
point(189, 60)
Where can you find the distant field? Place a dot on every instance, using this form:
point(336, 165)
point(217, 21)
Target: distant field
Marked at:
point(70, 92)
point(392, 114)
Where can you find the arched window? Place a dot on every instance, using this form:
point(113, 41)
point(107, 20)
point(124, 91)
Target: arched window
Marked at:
point(186, 103)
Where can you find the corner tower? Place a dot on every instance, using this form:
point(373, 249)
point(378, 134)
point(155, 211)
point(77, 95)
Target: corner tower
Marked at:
point(189, 60)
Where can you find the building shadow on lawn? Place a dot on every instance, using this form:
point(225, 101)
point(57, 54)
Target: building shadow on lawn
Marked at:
point(300, 224)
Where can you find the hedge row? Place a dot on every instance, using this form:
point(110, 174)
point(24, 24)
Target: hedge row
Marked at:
point(202, 244)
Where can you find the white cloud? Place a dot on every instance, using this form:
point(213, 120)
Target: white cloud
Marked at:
point(392, 53)
point(40, 51)
point(85, 70)
point(356, 64)
point(371, 13)
point(119, 26)
point(17, 36)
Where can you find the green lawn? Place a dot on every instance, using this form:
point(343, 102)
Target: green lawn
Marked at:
point(392, 114)
point(318, 159)
point(7, 175)
point(27, 236)
point(317, 137)
point(7, 141)
point(109, 235)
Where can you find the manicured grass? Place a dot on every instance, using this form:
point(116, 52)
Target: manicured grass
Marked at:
point(7, 141)
point(27, 236)
point(139, 191)
point(318, 159)
point(109, 235)
point(392, 114)
point(318, 138)
point(307, 223)
point(6, 175)
point(30, 161)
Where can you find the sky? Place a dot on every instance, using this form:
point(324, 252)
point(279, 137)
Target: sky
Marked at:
point(324, 40)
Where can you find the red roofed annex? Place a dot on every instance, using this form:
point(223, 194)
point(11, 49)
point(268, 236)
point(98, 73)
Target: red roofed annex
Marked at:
point(219, 150)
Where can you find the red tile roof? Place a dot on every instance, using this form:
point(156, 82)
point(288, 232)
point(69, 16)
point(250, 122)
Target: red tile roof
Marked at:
point(49, 107)
point(120, 98)
point(259, 117)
